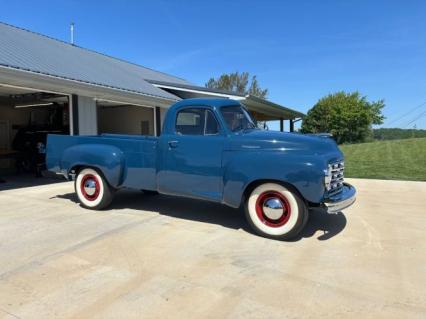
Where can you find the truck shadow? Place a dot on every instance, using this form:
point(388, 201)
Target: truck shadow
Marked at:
point(329, 225)
point(323, 225)
point(23, 180)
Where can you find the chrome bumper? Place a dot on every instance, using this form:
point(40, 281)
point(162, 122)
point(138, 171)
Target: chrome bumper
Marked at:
point(344, 199)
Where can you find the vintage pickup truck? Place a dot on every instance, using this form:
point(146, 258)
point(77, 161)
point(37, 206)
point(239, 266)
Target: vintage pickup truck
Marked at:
point(210, 149)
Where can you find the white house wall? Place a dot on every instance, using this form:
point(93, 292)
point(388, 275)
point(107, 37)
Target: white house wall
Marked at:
point(87, 116)
point(163, 112)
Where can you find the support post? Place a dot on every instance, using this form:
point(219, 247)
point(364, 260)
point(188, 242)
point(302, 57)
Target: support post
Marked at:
point(157, 119)
point(74, 110)
point(291, 126)
point(281, 124)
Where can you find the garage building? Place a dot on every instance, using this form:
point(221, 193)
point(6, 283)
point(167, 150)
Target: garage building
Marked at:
point(50, 85)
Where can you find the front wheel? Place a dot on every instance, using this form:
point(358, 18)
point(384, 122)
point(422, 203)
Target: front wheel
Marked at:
point(92, 189)
point(276, 212)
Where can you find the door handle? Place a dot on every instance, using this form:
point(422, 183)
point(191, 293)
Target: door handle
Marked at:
point(173, 144)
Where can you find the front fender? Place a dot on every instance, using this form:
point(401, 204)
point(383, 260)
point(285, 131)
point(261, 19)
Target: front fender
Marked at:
point(108, 159)
point(305, 173)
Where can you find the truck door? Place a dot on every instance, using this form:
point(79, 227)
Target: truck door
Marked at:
point(192, 155)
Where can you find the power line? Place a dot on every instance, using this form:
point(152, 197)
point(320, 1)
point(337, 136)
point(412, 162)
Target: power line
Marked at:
point(408, 113)
point(416, 118)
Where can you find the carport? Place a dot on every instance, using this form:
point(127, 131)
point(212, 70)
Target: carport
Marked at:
point(261, 109)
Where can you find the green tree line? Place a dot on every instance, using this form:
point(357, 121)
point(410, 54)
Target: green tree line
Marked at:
point(397, 133)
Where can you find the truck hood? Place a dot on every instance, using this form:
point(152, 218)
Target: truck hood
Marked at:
point(285, 142)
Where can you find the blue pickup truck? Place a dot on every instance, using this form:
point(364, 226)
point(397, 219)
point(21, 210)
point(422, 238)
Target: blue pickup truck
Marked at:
point(210, 149)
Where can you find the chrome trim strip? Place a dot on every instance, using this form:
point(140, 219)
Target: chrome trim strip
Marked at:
point(339, 206)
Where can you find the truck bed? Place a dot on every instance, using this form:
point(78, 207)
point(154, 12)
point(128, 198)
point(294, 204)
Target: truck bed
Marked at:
point(136, 154)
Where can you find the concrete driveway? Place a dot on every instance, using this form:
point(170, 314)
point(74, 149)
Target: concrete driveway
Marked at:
point(164, 257)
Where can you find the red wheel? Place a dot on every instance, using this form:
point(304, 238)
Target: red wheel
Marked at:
point(92, 189)
point(273, 208)
point(276, 212)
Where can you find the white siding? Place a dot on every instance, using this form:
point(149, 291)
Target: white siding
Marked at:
point(163, 112)
point(87, 116)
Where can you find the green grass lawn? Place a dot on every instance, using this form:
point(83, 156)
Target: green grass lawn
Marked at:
point(397, 159)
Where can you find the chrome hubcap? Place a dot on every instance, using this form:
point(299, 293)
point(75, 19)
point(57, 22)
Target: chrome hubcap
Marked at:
point(90, 187)
point(273, 208)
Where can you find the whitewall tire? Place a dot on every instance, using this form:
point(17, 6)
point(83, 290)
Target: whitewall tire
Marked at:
point(92, 190)
point(276, 212)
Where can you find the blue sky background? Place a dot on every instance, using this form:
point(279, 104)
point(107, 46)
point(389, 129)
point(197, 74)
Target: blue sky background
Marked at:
point(300, 50)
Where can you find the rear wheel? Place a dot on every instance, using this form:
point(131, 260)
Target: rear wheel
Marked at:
point(92, 189)
point(275, 211)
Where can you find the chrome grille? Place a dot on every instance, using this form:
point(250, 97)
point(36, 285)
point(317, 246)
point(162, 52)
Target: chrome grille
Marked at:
point(335, 176)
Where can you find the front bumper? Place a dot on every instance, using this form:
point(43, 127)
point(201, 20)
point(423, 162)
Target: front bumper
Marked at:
point(344, 199)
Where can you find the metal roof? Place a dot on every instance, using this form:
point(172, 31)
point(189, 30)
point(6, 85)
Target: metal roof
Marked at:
point(268, 110)
point(264, 109)
point(26, 54)
point(25, 50)
point(191, 87)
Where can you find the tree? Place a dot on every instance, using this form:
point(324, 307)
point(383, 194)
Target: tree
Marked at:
point(348, 116)
point(238, 83)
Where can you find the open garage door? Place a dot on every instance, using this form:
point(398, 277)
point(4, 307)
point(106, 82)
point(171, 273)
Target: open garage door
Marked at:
point(120, 118)
point(26, 117)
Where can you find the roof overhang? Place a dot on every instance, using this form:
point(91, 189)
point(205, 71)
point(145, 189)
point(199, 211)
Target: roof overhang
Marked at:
point(268, 111)
point(49, 83)
point(191, 91)
point(264, 110)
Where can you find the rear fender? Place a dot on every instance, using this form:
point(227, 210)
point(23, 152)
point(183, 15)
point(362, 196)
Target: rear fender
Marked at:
point(108, 159)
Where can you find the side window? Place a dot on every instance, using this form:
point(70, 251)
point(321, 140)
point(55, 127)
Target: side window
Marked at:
point(196, 121)
point(211, 127)
point(190, 122)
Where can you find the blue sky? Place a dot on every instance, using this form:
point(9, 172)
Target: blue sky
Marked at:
point(300, 50)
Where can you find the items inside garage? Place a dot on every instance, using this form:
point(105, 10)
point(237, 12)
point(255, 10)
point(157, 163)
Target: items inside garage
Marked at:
point(26, 117)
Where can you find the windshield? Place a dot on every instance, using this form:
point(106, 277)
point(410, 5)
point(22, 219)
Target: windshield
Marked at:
point(237, 118)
